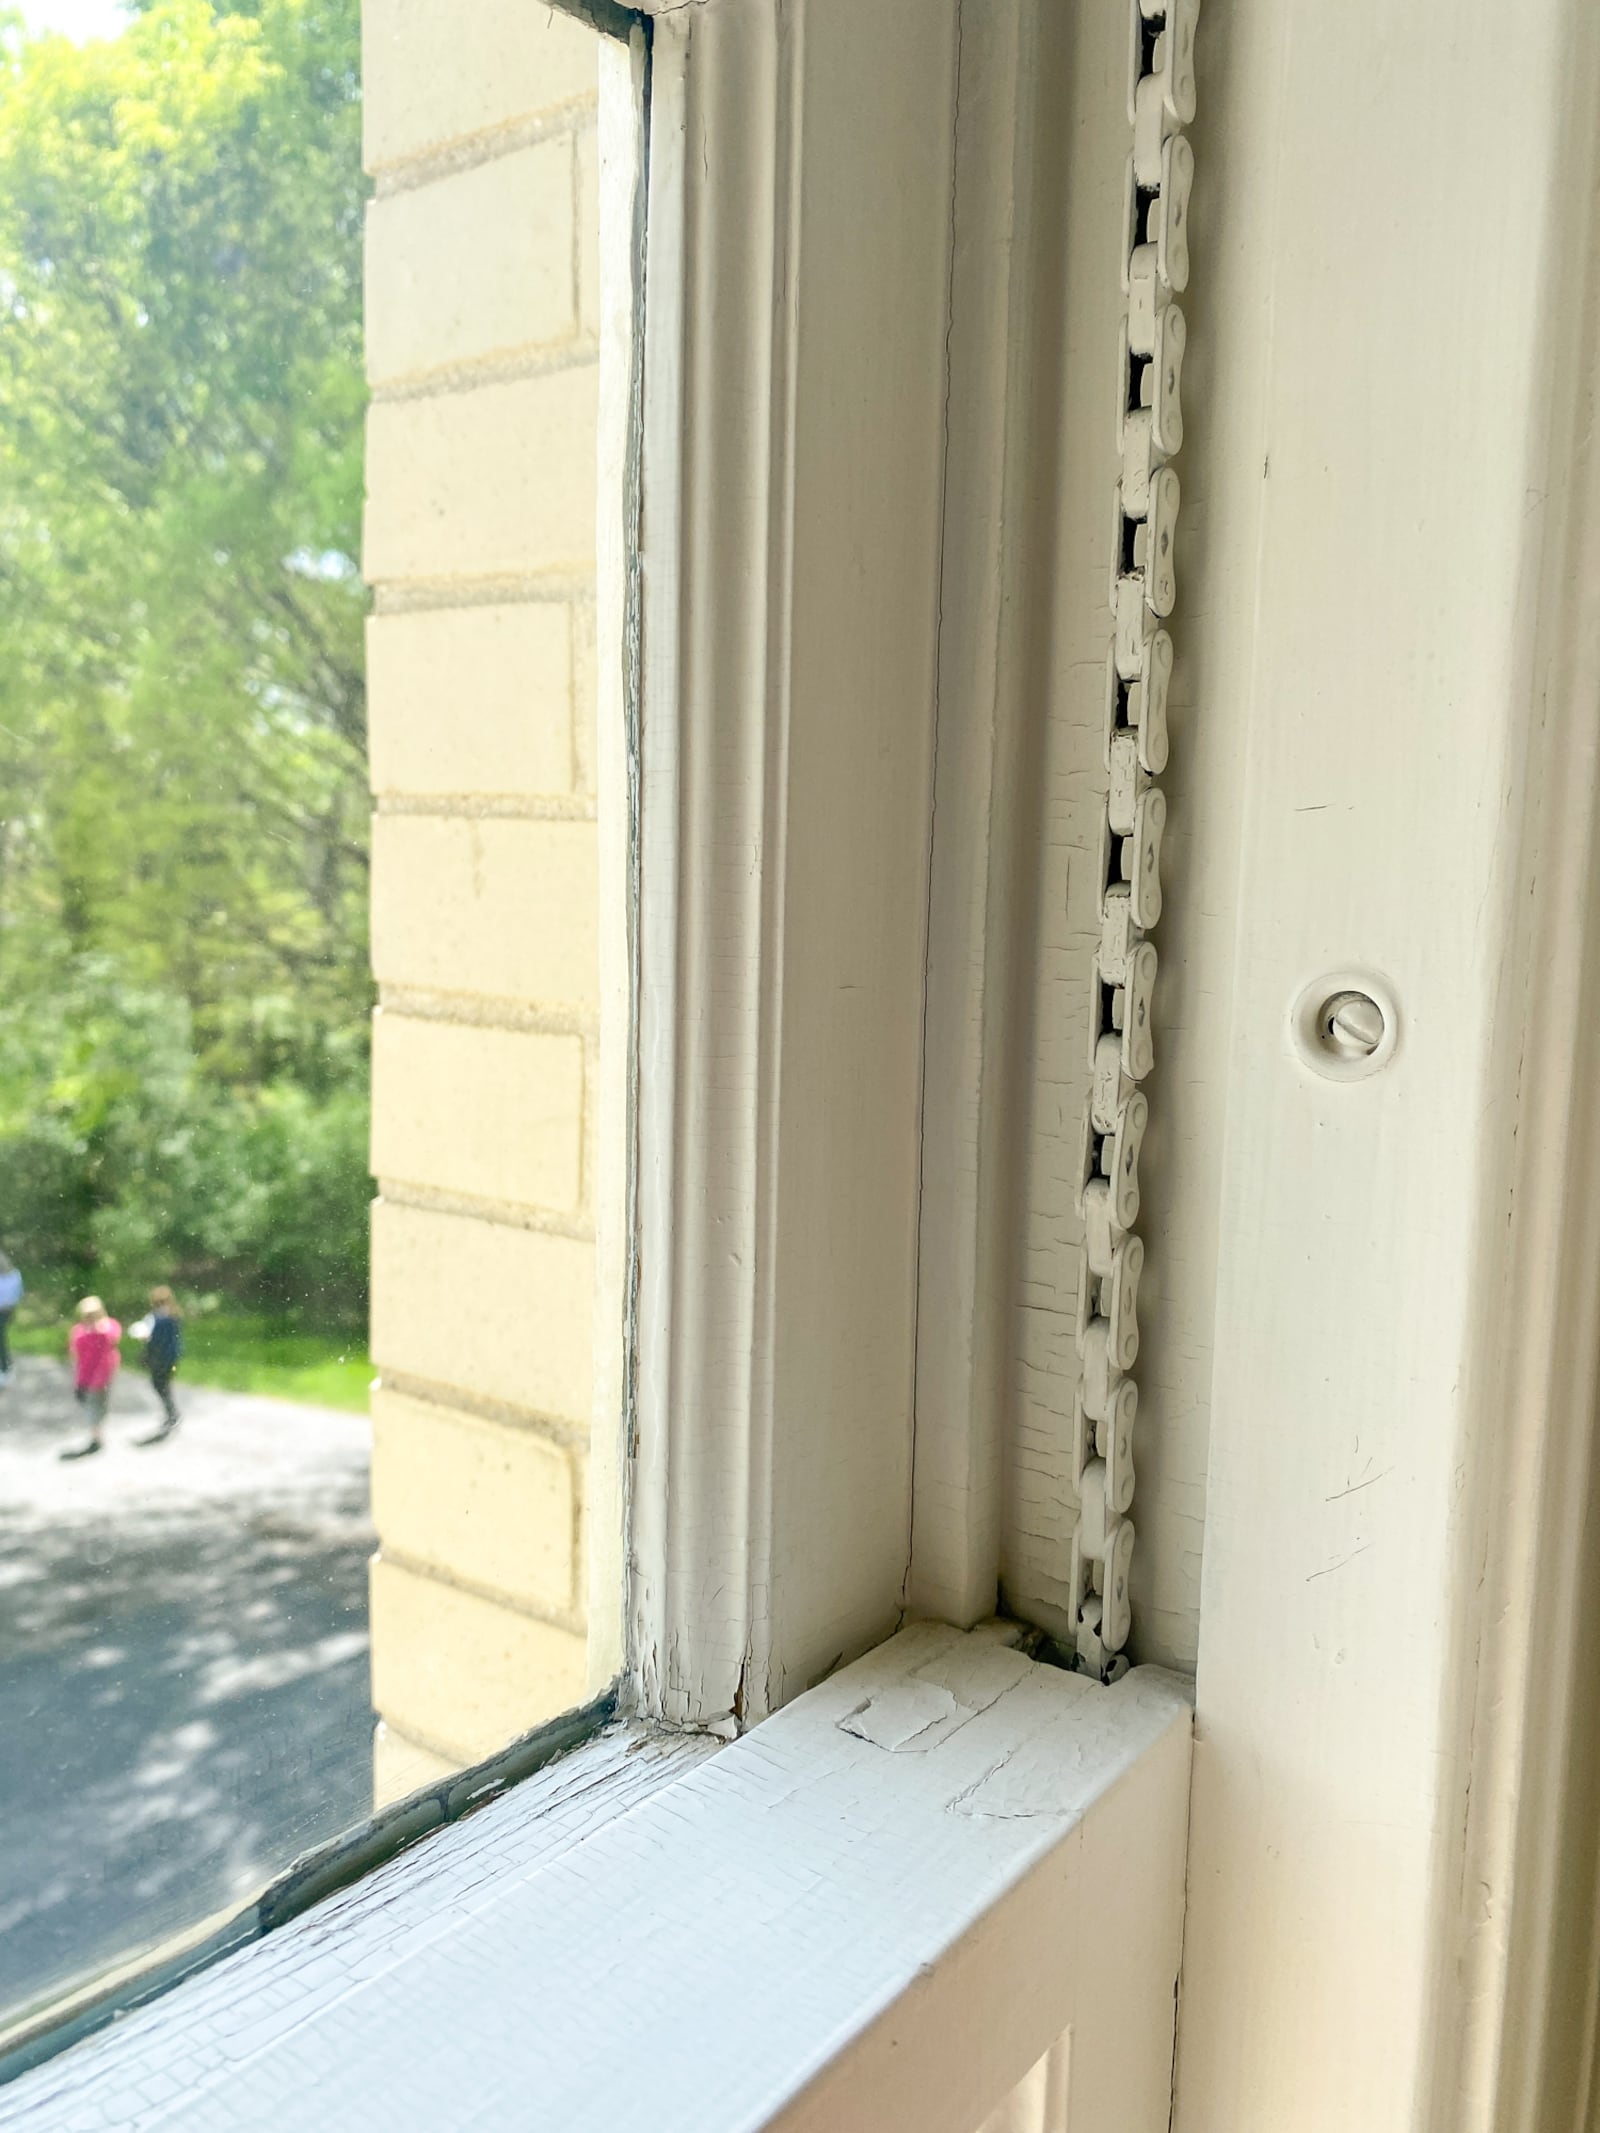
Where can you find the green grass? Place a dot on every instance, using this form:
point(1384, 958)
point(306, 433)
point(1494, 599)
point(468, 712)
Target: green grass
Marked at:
point(246, 1355)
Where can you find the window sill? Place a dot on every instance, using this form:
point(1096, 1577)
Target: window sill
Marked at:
point(883, 1906)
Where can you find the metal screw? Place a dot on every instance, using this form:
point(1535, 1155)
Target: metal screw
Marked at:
point(1351, 1024)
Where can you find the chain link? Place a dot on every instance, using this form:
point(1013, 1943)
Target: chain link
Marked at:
point(1161, 94)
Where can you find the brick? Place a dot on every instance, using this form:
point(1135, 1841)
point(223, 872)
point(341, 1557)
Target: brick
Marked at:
point(472, 699)
point(585, 692)
point(401, 1766)
point(478, 263)
point(486, 1502)
point(587, 209)
point(498, 481)
point(485, 1308)
point(435, 71)
point(492, 1112)
point(488, 905)
point(464, 1672)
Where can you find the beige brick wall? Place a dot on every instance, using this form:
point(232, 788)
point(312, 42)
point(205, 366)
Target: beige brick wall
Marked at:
point(493, 480)
point(478, 699)
point(441, 78)
point(460, 1672)
point(482, 348)
point(477, 1304)
point(496, 906)
point(482, 1503)
point(505, 1132)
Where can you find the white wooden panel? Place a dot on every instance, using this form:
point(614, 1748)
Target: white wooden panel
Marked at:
point(867, 408)
point(794, 419)
point(960, 1406)
point(1384, 305)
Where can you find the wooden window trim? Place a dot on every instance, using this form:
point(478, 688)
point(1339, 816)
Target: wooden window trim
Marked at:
point(946, 1840)
point(736, 949)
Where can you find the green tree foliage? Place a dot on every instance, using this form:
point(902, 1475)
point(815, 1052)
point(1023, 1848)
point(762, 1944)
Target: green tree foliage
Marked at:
point(183, 990)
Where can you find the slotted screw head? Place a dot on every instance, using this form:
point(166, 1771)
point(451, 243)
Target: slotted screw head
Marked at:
point(1352, 1025)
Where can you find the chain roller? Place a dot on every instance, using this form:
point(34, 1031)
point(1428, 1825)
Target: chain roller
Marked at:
point(1161, 101)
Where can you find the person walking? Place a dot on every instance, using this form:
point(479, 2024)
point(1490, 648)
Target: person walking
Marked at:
point(96, 1346)
point(162, 1332)
point(10, 1297)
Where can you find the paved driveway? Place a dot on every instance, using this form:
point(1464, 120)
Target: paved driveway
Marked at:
point(183, 1665)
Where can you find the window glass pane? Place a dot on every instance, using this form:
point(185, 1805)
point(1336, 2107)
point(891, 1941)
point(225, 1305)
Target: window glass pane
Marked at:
point(258, 1578)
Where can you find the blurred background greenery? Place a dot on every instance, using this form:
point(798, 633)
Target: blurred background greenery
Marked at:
point(184, 997)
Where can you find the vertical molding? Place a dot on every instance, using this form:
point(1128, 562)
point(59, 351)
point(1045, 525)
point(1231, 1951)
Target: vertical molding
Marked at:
point(611, 1092)
point(1518, 1982)
point(1374, 559)
point(959, 1464)
point(793, 439)
point(714, 450)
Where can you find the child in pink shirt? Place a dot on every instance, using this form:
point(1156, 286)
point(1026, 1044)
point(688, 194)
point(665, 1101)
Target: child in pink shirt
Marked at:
point(95, 1342)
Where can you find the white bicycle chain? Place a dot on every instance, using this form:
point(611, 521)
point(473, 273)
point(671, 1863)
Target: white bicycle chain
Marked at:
point(1161, 101)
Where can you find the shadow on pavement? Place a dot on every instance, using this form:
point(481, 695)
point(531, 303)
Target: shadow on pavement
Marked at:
point(183, 1668)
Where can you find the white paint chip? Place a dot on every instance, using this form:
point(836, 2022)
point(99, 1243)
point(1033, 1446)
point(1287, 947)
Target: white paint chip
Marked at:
point(937, 1698)
point(912, 1715)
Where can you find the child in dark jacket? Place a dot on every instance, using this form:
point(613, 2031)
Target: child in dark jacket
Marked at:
point(162, 1332)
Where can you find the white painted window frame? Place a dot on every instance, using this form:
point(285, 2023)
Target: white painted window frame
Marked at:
point(1391, 1766)
point(792, 1931)
point(762, 1549)
point(767, 1486)
point(1396, 597)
